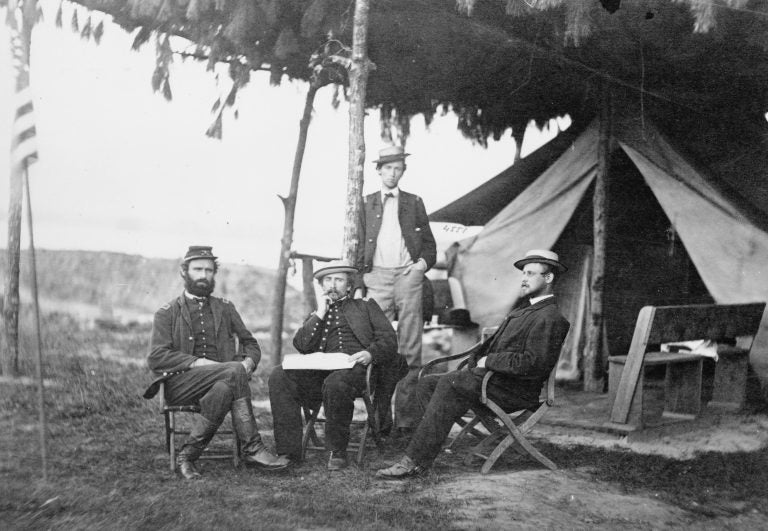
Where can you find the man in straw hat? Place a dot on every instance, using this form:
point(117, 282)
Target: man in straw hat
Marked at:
point(521, 353)
point(341, 324)
point(192, 350)
point(397, 248)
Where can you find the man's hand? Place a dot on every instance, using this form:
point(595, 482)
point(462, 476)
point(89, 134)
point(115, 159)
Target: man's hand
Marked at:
point(322, 301)
point(419, 265)
point(200, 362)
point(249, 365)
point(363, 357)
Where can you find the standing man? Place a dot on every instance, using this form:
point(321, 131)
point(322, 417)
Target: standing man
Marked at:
point(193, 350)
point(397, 248)
point(521, 354)
point(341, 324)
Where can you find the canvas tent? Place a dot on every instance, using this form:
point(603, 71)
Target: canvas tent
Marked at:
point(676, 235)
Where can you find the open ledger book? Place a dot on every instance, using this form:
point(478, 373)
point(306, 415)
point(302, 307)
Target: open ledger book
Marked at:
point(318, 361)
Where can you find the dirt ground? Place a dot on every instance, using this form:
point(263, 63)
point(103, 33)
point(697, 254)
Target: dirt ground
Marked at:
point(522, 495)
point(536, 499)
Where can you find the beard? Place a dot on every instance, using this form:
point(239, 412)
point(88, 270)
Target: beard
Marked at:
point(334, 295)
point(199, 288)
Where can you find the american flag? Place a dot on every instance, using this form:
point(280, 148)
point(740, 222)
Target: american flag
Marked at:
point(23, 141)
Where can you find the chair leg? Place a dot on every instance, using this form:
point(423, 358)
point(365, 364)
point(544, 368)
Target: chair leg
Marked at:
point(515, 436)
point(361, 447)
point(236, 450)
point(468, 427)
point(167, 432)
point(309, 431)
point(171, 438)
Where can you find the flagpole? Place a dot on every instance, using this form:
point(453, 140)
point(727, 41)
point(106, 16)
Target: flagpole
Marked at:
point(39, 357)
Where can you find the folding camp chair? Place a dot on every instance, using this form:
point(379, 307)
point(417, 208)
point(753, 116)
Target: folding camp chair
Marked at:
point(512, 430)
point(370, 426)
point(172, 429)
point(506, 429)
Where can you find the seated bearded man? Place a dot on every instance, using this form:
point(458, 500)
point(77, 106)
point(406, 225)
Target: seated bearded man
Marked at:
point(355, 327)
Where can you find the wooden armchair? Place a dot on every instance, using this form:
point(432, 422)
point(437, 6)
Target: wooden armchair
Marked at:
point(370, 426)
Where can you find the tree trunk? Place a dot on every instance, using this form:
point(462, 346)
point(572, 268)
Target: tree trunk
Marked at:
point(10, 364)
point(289, 203)
point(21, 38)
point(593, 358)
point(358, 80)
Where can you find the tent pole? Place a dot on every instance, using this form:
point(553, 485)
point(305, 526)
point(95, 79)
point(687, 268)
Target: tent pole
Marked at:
point(289, 203)
point(593, 357)
point(358, 80)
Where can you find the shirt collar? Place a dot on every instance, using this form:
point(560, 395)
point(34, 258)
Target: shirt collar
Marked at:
point(395, 193)
point(534, 300)
point(191, 297)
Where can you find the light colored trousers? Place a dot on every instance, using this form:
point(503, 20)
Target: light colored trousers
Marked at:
point(400, 296)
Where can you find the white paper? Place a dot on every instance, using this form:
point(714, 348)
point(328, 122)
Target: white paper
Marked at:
point(318, 361)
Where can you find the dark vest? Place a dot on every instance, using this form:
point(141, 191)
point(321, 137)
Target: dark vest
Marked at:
point(203, 329)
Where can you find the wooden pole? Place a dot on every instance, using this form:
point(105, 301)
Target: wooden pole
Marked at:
point(310, 301)
point(10, 365)
point(38, 335)
point(289, 203)
point(593, 358)
point(358, 81)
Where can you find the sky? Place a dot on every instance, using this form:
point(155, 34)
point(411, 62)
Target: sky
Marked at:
point(121, 169)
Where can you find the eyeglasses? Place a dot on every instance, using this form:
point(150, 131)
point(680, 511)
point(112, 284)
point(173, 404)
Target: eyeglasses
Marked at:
point(529, 274)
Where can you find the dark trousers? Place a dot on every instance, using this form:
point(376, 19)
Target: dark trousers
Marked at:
point(290, 390)
point(214, 387)
point(442, 400)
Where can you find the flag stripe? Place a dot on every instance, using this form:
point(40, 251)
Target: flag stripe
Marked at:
point(23, 130)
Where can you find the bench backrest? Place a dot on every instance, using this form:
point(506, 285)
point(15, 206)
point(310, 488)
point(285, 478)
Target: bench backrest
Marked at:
point(666, 324)
point(718, 322)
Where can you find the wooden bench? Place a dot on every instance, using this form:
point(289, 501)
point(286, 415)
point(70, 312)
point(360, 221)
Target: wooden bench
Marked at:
point(647, 386)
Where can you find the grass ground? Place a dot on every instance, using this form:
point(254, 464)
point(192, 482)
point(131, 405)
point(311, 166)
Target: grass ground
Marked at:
point(108, 469)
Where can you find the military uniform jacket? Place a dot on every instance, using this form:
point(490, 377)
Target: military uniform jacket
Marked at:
point(367, 321)
point(524, 350)
point(172, 341)
point(414, 226)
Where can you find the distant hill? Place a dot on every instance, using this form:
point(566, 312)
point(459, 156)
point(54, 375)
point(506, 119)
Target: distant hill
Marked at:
point(123, 287)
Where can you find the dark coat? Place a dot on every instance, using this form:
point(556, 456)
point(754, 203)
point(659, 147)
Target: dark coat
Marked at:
point(414, 226)
point(524, 350)
point(374, 331)
point(172, 341)
point(367, 321)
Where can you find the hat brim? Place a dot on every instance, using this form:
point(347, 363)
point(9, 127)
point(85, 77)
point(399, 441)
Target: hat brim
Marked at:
point(540, 260)
point(451, 324)
point(390, 158)
point(200, 257)
point(320, 273)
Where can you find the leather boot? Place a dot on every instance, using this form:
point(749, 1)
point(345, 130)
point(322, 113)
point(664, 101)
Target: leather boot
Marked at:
point(252, 447)
point(201, 434)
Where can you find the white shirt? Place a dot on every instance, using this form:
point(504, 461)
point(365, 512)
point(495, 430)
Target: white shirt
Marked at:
point(534, 300)
point(390, 244)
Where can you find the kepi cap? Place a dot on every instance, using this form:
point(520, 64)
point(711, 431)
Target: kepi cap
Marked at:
point(199, 251)
point(541, 256)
